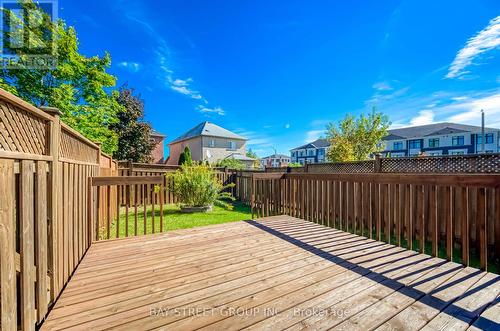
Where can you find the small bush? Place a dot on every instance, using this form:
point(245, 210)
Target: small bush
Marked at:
point(197, 186)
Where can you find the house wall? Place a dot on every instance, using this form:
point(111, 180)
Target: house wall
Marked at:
point(218, 148)
point(309, 155)
point(158, 153)
point(446, 147)
point(177, 148)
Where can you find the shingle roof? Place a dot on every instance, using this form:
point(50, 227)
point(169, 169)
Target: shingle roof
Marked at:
point(315, 144)
point(430, 130)
point(208, 129)
point(156, 133)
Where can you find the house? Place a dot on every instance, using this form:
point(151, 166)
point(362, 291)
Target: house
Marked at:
point(158, 153)
point(275, 161)
point(209, 142)
point(314, 152)
point(440, 139)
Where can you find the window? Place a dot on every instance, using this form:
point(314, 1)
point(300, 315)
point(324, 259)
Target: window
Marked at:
point(398, 145)
point(310, 152)
point(434, 142)
point(211, 143)
point(457, 141)
point(415, 144)
point(293, 154)
point(321, 152)
point(232, 145)
point(301, 153)
point(488, 136)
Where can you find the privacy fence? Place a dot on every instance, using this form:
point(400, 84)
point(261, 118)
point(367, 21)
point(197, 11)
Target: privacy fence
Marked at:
point(452, 216)
point(45, 168)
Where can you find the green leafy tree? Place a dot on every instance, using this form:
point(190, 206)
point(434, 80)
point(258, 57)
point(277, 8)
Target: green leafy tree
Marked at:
point(294, 165)
point(231, 164)
point(185, 157)
point(134, 134)
point(356, 139)
point(251, 154)
point(78, 85)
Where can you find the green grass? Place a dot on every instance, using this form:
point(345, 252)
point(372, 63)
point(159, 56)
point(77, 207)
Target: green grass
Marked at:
point(173, 219)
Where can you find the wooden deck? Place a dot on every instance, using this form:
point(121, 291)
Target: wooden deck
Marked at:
point(276, 273)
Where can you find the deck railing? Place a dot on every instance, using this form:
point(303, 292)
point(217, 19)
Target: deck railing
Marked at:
point(456, 216)
point(131, 197)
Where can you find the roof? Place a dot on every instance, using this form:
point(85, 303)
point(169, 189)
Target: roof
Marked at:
point(319, 143)
point(156, 133)
point(431, 130)
point(274, 156)
point(208, 129)
point(240, 157)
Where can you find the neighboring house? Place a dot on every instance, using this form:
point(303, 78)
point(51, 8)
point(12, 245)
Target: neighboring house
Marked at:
point(209, 142)
point(158, 153)
point(314, 152)
point(275, 161)
point(440, 139)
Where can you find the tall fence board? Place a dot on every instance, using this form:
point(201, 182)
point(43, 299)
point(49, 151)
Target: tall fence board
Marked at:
point(44, 171)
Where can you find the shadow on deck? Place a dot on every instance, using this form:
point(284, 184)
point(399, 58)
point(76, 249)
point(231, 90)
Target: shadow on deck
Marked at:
point(275, 273)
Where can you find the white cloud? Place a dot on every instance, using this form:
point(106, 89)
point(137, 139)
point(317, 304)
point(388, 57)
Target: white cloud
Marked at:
point(287, 126)
point(312, 135)
point(486, 40)
point(424, 117)
point(206, 110)
point(382, 86)
point(130, 66)
point(469, 112)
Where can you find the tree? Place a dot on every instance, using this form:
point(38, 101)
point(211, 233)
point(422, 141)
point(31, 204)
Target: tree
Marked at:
point(134, 135)
point(356, 139)
point(185, 157)
point(252, 154)
point(295, 165)
point(78, 85)
point(231, 164)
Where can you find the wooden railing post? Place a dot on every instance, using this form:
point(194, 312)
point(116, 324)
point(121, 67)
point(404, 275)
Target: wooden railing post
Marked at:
point(377, 165)
point(52, 203)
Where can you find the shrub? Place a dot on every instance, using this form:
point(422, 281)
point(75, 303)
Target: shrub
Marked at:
point(185, 157)
point(197, 186)
point(231, 164)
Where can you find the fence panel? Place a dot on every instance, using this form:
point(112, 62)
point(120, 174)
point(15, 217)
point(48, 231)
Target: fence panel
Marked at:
point(44, 171)
point(451, 216)
point(134, 216)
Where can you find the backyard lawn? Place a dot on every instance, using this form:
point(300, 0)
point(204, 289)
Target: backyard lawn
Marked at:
point(173, 219)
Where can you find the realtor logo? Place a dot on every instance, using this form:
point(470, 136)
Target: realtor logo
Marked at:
point(27, 38)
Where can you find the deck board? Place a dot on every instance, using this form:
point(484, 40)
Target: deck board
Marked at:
point(275, 273)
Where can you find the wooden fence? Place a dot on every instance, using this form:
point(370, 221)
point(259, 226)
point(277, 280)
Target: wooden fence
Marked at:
point(141, 195)
point(455, 216)
point(44, 171)
point(488, 163)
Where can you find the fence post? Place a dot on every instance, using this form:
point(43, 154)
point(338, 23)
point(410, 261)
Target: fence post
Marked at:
point(130, 168)
point(377, 166)
point(52, 203)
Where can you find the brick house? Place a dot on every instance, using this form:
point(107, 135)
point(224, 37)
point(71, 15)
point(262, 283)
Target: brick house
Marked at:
point(158, 153)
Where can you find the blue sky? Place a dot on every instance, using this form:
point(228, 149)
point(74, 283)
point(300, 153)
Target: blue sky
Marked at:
point(278, 71)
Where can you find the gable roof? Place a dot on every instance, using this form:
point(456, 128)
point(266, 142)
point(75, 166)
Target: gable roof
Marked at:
point(319, 143)
point(430, 130)
point(208, 129)
point(155, 133)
